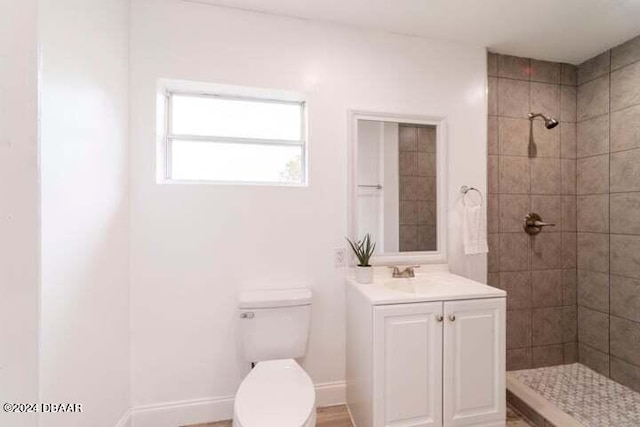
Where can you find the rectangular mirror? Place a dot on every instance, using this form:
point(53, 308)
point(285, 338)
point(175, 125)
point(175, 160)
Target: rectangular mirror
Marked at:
point(397, 184)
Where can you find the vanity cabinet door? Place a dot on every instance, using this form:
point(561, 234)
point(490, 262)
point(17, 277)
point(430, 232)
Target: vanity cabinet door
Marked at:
point(407, 373)
point(474, 362)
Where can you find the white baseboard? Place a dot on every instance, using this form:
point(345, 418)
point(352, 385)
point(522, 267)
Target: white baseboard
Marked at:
point(174, 414)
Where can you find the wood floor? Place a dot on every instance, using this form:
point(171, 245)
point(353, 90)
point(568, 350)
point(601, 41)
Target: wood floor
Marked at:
point(331, 416)
point(337, 416)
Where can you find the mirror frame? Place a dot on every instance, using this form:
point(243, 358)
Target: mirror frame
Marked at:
point(438, 256)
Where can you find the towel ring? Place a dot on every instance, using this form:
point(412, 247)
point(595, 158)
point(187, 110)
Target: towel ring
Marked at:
point(465, 190)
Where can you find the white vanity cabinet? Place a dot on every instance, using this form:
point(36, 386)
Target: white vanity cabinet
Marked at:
point(436, 363)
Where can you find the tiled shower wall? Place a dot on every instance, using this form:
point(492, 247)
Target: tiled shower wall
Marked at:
point(539, 273)
point(608, 218)
point(417, 166)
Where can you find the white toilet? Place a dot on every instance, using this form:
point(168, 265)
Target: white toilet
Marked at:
point(274, 328)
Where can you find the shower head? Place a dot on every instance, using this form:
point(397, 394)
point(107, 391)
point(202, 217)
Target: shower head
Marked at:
point(549, 122)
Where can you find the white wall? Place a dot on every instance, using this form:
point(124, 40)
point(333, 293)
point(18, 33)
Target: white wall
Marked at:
point(195, 246)
point(18, 208)
point(85, 354)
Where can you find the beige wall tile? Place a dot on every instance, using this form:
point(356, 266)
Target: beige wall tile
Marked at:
point(408, 163)
point(568, 177)
point(513, 136)
point(519, 358)
point(625, 87)
point(568, 103)
point(493, 257)
point(492, 89)
point(492, 64)
point(593, 290)
point(493, 170)
point(547, 141)
point(625, 373)
point(569, 324)
point(545, 176)
point(593, 329)
point(625, 171)
point(408, 213)
point(546, 326)
point(514, 175)
point(427, 212)
point(594, 359)
point(593, 252)
point(626, 53)
point(546, 251)
point(518, 287)
point(514, 252)
point(546, 288)
point(518, 328)
point(594, 67)
point(549, 208)
point(570, 353)
point(593, 98)
point(568, 74)
point(545, 71)
point(513, 98)
point(408, 138)
point(625, 255)
point(625, 297)
point(408, 238)
point(625, 340)
point(569, 286)
point(513, 67)
point(625, 213)
point(593, 175)
point(569, 250)
point(545, 98)
point(492, 135)
point(593, 213)
point(568, 140)
point(513, 209)
point(427, 137)
point(426, 164)
point(569, 213)
point(548, 355)
point(625, 129)
point(593, 136)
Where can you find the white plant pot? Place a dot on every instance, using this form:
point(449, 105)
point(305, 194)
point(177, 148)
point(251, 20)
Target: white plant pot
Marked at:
point(364, 274)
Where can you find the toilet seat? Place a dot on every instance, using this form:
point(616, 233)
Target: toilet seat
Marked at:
point(276, 393)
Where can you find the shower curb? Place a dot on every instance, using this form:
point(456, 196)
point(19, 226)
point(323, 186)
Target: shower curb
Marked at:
point(535, 407)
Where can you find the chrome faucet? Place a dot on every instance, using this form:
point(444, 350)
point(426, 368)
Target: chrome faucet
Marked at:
point(406, 272)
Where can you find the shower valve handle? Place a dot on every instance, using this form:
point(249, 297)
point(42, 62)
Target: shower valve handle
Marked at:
point(533, 224)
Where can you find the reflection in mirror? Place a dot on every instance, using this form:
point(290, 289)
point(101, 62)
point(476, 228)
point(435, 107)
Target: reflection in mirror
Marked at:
point(396, 180)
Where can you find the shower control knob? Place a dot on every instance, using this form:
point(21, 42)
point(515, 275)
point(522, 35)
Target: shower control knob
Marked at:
point(533, 224)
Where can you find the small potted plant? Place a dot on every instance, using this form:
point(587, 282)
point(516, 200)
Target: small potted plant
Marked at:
point(364, 250)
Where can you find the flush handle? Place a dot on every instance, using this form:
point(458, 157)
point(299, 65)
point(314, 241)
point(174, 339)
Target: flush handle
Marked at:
point(247, 315)
point(533, 224)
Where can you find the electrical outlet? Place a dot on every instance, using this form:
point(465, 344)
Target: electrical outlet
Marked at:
point(340, 258)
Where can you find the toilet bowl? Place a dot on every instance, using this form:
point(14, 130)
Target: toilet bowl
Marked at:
point(276, 393)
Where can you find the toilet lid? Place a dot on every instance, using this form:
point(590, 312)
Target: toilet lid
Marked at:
point(276, 393)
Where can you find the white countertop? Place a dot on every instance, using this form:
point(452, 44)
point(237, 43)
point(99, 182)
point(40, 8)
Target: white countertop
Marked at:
point(432, 283)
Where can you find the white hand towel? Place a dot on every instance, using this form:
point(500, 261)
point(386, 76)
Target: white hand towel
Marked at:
point(474, 231)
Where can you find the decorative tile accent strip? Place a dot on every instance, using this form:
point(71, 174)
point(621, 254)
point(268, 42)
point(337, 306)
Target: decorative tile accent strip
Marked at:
point(592, 399)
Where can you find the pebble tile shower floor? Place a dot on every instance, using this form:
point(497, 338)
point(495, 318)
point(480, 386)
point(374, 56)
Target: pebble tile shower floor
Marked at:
point(592, 399)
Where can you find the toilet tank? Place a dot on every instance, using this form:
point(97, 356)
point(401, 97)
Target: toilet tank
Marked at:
point(274, 324)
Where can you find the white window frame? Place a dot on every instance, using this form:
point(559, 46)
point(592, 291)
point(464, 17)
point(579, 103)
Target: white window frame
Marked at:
point(169, 137)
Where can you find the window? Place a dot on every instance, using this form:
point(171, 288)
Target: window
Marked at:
point(234, 139)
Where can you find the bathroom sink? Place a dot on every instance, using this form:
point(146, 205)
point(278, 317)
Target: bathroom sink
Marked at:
point(429, 284)
point(410, 285)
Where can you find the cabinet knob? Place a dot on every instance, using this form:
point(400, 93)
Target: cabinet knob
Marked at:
point(452, 317)
point(439, 317)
